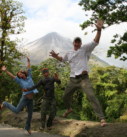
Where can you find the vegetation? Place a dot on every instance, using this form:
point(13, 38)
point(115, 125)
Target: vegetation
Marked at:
point(109, 85)
point(11, 22)
point(112, 12)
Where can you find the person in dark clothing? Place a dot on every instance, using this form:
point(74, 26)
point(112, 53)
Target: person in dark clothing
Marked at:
point(49, 102)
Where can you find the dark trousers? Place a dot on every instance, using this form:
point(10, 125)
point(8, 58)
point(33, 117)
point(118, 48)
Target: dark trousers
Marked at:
point(48, 107)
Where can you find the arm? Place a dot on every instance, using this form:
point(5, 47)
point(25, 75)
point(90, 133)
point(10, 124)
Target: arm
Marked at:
point(29, 67)
point(34, 87)
point(28, 63)
point(99, 26)
point(4, 69)
point(97, 37)
point(56, 55)
point(90, 46)
point(56, 78)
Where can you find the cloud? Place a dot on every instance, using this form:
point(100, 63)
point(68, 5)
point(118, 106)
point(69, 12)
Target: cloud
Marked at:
point(44, 16)
point(64, 17)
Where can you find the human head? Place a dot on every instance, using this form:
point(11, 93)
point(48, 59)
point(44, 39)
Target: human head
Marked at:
point(77, 43)
point(22, 74)
point(45, 72)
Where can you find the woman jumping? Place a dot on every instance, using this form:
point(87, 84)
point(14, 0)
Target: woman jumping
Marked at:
point(24, 79)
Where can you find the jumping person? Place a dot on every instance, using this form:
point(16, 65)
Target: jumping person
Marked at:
point(49, 102)
point(79, 78)
point(24, 79)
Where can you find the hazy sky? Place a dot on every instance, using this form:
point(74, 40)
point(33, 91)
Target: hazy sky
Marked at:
point(44, 16)
point(64, 17)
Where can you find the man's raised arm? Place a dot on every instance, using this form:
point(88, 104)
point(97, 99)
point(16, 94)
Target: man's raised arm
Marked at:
point(56, 55)
point(99, 26)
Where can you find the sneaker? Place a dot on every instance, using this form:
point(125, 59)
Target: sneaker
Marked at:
point(41, 128)
point(49, 128)
point(67, 113)
point(1, 106)
point(27, 132)
point(103, 123)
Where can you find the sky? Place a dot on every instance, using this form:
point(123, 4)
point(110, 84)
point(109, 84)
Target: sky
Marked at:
point(65, 17)
point(44, 16)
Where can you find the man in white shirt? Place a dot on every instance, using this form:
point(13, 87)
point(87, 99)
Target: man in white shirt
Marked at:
point(78, 60)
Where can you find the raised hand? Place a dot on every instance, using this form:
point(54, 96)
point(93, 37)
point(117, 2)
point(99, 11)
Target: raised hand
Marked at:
point(53, 54)
point(99, 24)
point(28, 59)
point(3, 68)
point(56, 76)
point(8, 73)
point(28, 62)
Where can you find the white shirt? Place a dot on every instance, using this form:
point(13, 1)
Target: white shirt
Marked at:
point(78, 59)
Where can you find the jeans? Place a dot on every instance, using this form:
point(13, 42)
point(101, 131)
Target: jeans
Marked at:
point(22, 103)
point(85, 84)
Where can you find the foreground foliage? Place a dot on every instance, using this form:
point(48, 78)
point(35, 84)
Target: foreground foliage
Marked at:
point(109, 85)
point(112, 12)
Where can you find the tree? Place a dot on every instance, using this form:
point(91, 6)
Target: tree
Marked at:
point(112, 12)
point(11, 22)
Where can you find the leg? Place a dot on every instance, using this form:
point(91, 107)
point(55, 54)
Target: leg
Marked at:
point(52, 113)
point(14, 109)
point(87, 88)
point(44, 108)
point(30, 112)
point(69, 91)
point(1, 105)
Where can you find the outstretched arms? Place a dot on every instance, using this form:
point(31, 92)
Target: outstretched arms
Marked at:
point(99, 26)
point(55, 55)
point(4, 69)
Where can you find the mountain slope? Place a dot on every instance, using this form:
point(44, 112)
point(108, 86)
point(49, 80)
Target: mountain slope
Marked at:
point(40, 48)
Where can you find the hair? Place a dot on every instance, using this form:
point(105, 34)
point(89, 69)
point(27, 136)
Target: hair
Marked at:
point(23, 72)
point(44, 70)
point(77, 39)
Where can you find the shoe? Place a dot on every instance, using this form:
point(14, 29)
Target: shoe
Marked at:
point(41, 128)
point(103, 123)
point(67, 113)
point(49, 128)
point(1, 105)
point(27, 132)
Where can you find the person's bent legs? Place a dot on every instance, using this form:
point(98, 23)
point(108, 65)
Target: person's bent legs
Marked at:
point(14, 109)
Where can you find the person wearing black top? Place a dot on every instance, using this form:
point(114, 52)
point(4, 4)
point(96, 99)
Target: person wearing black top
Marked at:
point(49, 102)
